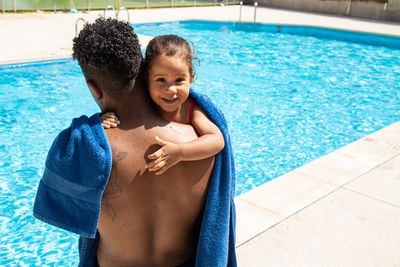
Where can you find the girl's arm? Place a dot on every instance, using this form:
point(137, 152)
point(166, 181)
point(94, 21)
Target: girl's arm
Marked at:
point(210, 142)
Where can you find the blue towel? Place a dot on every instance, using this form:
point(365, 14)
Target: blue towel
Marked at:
point(216, 245)
point(77, 169)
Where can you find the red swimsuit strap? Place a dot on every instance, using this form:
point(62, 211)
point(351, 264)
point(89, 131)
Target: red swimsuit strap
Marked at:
point(191, 111)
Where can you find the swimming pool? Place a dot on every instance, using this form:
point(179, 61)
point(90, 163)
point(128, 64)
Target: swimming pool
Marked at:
point(289, 97)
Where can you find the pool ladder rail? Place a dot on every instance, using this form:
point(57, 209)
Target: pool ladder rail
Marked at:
point(255, 11)
point(104, 15)
point(76, 25)
point(110, 7)
point(116, 12)
point(240, 11)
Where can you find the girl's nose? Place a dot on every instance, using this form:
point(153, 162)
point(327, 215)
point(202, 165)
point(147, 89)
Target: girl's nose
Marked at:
point(172, 88)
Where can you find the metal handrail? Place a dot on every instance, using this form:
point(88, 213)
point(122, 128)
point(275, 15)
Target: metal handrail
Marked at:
point(240, 12)
point(127, 11)
point(348, 8)
point(76, 25)
point(109, 7)
point(255, 10)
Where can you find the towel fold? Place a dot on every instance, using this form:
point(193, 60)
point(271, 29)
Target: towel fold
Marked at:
point(216, 245)
point(77, 169)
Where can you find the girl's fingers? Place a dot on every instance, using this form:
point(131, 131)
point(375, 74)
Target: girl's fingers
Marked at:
point(158, 166)
point(167, 165)
point(156, 154)
point(110, 117)
point(106, 117)
point(111, 120)
point(109, 124)
point(153, 163)
point(109, 114)
point(164, 169)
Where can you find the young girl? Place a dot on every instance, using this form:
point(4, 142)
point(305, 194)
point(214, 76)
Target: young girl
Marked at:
point(169, 74)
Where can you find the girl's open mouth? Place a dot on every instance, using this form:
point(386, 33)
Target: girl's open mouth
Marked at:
point(170, 101)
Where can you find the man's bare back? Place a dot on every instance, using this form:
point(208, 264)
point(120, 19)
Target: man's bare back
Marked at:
point(145, 219)
point(148, 219)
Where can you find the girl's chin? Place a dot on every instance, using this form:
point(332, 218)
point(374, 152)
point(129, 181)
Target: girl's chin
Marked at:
point(169, 109)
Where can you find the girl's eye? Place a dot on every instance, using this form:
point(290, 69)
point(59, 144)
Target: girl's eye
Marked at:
point(180, 80)
point(160, 80)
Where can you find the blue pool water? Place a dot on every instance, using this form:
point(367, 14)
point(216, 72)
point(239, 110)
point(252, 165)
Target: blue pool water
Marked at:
point(288, 97)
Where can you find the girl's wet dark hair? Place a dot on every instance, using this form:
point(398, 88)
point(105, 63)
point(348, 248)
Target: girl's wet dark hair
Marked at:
point(172, 46)
point(109, 54)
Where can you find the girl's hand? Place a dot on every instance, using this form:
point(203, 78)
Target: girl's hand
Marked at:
point(109, 120)
point(165, 157)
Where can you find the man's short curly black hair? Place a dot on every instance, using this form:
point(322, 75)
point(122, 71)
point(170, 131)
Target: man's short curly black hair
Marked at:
point(109, 54)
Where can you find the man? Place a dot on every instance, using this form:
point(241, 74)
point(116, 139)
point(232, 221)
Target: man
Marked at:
point(145, 219)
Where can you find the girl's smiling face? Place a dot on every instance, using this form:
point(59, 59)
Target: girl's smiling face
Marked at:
point(169, 82)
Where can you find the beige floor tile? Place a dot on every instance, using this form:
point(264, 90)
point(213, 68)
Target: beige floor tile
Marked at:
point(368, 152)
point(252, 220)
point(382, 183)
point(144, 40)
point(287, 194)
point(343, 229)
point(335, 168)
point(392, 129)
point(388, 137)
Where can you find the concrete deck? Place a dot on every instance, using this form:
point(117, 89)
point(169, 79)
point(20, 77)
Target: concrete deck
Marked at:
point(340, 210)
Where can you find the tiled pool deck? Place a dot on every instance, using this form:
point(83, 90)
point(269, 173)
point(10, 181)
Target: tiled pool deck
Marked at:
point(340, 210)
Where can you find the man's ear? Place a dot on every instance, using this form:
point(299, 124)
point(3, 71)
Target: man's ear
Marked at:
point(95, 90)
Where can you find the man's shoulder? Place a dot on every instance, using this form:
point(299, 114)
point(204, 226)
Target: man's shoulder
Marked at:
point(177, 132)
point(146, 131)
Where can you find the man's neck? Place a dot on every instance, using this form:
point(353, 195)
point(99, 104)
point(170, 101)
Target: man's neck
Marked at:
point(134, 104)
